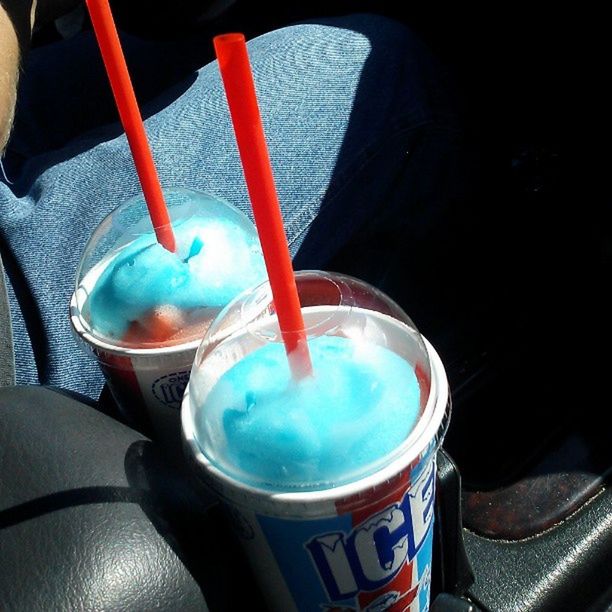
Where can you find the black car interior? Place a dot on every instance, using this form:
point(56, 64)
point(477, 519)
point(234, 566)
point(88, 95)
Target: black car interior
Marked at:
point(94, 516)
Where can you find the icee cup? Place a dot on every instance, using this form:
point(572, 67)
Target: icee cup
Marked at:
point(142, 311)
point(338, 519)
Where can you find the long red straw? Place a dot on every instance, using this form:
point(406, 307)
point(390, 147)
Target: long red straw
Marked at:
point(237, 78)
point(121, 84)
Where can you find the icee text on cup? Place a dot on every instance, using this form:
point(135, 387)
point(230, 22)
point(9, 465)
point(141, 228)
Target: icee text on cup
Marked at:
point(370, 555)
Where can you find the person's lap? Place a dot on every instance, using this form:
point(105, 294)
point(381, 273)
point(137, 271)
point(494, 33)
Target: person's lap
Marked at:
point(351, 108)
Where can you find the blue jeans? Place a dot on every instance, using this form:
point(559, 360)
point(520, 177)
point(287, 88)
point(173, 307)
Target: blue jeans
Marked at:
point(359, 127)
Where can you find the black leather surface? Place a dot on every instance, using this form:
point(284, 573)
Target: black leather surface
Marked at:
point(567, 568)
point(84, 507)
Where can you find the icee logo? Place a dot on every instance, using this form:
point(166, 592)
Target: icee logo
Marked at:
point(169, 389)
point(373, 552)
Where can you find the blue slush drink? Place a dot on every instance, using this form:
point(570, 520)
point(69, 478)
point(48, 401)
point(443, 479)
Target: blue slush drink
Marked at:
point(358, 406)
point(333, 474)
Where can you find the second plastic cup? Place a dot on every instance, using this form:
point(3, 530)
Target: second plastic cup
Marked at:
point(142, 311)
point(331, 513)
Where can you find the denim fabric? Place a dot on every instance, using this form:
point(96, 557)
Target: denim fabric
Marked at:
point(357, 124)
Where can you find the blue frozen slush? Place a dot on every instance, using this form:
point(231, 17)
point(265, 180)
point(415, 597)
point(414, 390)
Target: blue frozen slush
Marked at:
point(148, 295)
point(359, 405)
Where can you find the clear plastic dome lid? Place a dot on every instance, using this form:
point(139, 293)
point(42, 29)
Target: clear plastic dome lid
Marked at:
point(355, 414)
point(132, 292)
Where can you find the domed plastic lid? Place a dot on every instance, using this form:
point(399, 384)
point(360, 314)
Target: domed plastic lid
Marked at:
point(132, 292)
point(354, 415)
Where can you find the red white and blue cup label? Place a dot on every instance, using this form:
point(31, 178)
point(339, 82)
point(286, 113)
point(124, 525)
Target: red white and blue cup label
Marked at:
point(374, 555)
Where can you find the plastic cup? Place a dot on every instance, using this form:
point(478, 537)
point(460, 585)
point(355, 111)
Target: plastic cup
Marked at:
point(363, 538)
point(147, 365)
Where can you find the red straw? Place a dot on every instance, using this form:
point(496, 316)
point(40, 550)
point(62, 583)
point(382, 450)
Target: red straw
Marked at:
point(116, 68)
point(237, 78)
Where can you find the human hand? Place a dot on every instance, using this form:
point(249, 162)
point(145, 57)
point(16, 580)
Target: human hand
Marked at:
point(16, 18)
